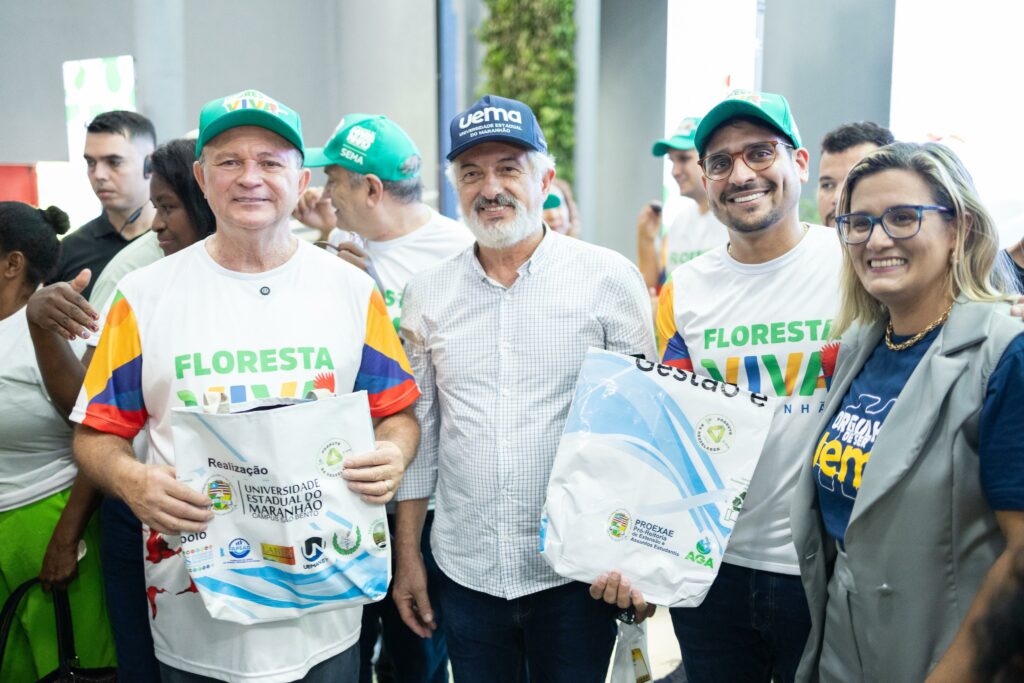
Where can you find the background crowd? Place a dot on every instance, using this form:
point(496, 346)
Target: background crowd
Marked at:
point(888, 330)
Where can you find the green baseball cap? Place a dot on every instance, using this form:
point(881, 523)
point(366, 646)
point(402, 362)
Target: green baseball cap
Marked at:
point(681, 139)
point(368, 143)
point(248, 108)
point(768, 107)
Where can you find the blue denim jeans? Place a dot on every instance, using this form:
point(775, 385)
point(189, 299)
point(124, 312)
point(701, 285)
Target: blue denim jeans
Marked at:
point(404, 656)
point(124, 579)
point(558, 635)
point(751, 625)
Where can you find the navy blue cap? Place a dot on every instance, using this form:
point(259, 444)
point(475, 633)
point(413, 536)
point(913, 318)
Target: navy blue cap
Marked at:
point(496, 119)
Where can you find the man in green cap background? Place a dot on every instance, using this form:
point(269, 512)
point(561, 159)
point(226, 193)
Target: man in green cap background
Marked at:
point(375, 189)
point(694, 230)
point(251, 285)
point(754, 312)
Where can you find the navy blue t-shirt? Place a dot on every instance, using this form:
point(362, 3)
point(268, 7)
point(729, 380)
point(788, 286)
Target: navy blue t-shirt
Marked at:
point(844, 447)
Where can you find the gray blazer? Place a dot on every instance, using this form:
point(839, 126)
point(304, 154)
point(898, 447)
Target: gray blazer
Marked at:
point(921, 536)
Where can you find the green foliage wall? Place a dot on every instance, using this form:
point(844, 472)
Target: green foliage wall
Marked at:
point(530, 56)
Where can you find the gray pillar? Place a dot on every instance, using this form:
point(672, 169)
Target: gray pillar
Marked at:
point(832, 59)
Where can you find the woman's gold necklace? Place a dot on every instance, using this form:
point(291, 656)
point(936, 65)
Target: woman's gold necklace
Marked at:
point(902, 346)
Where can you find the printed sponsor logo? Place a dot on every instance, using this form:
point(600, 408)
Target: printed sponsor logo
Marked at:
point(239, 548)
point(313, 548)
point(221, 494)
point(332, 456)
point(715, 433)
point(252, 99)
point(347, 541)
point(379, 533)
point(618, 524)
point(488, 114)
point(282, 554)
point(701, 553)
point(361, 137)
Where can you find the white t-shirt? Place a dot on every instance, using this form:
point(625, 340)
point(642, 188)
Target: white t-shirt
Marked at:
point(396, 261)
point(184, 326)
point(691, 234)
point(764, 327)
point(35, 441)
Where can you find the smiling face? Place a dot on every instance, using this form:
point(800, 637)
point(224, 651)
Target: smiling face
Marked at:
point(832, 171)
point(115, 166)
point(750, 201)
point(252, 179)
point(501, 195)
point(345, 199)
point(686, 172)
point(903, 273)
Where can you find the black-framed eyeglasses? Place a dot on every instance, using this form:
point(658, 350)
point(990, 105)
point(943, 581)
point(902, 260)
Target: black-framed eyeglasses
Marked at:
point(757, 156)
point(898, 222)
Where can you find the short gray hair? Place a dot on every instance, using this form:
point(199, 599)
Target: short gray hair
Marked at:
point(408, 191)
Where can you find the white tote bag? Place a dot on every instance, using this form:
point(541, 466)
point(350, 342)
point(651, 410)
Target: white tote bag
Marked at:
point(288, 537)
point(650, 476)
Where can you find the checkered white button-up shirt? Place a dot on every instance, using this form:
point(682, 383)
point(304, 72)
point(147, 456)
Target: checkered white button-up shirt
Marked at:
point(497, 368)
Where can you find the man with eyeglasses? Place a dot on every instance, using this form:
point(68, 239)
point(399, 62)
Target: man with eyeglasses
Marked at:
point(755, 312)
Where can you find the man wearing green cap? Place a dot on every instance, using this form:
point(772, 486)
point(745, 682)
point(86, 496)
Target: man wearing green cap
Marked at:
point(695, 230)
point(754, 312)
point(375, 187)
point(250, 290)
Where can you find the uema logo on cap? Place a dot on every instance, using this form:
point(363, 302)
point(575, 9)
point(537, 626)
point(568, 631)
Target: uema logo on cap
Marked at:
point(681, 139)
point(368, 143)
point(496, 119)
point(248, 108)
point(768, 107)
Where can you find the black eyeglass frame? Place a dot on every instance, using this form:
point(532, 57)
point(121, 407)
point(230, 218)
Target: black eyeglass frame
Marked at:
point(774, 144)
point(843, 229)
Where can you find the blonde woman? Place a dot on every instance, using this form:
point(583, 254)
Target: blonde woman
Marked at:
point(907, 516)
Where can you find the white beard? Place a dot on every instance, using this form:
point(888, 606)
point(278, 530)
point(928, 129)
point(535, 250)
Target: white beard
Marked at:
point(505, 235)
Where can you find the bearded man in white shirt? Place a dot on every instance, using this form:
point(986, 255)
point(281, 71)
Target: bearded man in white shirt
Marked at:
point(496, 337)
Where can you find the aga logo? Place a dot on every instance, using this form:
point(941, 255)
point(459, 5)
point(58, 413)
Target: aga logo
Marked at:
point(702, 554)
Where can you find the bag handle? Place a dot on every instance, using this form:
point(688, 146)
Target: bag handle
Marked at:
point(66, 654)
point(9, 611)
point(65, 631)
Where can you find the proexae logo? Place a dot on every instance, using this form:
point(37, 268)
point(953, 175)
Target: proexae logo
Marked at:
point(618, 524)
point(488, 114)
point(727, 389)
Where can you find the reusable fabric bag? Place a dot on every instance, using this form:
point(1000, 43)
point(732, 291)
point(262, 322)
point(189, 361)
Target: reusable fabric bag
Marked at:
point(288, 537)
point(650, 476)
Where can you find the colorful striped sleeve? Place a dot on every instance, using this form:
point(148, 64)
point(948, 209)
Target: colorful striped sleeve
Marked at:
point(113, 383)
point(671, 347)
point(384, 371)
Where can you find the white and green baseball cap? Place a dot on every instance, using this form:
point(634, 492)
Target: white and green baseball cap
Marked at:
point(770, 108)
point(368, 143)
point(682, 139)
point(248, 108)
